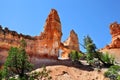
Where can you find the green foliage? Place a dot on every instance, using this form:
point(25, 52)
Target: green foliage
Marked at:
point(91, 53)
point(90, 62)
point(34, 75)
point(114, 67)
point(75, 56)
point(112, 72)
point(107, 59)
point(89, 57)
point(0, 74)
point(90, 50)
point(13, 79)
point(118, 78)
point(23, 44)
point(16, 63)
point(89, 45)
point(44, 74)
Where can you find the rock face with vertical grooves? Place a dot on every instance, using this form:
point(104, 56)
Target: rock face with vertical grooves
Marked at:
point(48, 42)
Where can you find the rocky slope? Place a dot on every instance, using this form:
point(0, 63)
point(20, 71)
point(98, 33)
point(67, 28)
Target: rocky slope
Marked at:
point(61, 72)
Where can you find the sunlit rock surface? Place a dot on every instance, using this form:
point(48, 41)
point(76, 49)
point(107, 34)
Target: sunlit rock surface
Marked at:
point(72, 43)
point(114, 47)
point(46, 45)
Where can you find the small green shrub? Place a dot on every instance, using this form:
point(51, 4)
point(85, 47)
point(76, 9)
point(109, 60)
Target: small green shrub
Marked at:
point(34, 75)
point(44, 74)
point(112, 72)
point(107, 59)
point(90, 62)
point(75, 56)
point(118, 78)
point(1, 75)
point(89, 58)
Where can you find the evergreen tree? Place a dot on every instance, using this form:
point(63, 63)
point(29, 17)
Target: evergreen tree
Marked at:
point(89, 45)
point(90, 49)
point(17, 62)
point(92, 53)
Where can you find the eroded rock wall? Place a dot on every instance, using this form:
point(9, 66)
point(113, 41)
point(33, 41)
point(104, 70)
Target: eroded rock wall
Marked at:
point(45, 45)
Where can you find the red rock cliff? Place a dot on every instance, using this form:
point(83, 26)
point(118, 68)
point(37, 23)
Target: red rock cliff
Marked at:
point(44, 45)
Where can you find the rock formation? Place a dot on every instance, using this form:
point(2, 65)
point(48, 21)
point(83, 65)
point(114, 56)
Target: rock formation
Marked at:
point(114, 47)
point(115, 32)
point(46, 45)
point(48, 42)
point(72, 43)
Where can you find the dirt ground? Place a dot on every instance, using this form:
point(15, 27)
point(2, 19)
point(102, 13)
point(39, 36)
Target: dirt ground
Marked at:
point(81, 72)
point(66, 70)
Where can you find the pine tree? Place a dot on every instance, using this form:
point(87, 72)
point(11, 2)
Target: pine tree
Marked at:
point(90, 49)
point(92, 53)
point(17, 62)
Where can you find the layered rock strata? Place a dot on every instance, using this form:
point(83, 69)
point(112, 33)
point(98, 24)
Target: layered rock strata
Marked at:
point(46, 45)
point(49, 40)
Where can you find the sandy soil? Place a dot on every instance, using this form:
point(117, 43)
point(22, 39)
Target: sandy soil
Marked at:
point(62, 72)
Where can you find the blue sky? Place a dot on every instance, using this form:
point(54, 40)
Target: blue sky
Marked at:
point(86, 17)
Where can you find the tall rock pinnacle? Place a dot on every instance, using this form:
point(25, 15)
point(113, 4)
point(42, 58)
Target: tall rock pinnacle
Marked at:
point(52, 27)
point(51, 36)
point(72, 42)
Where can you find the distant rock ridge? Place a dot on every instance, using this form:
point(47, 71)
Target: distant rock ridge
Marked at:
point(45, 45)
